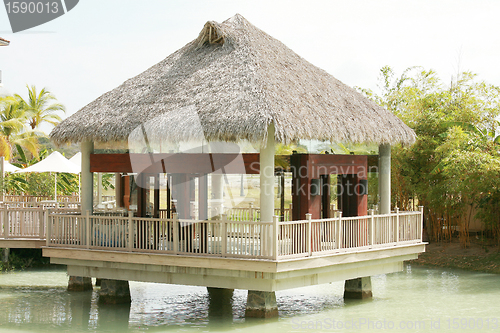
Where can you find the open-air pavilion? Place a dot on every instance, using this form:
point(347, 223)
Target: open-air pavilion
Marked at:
point(233, 84)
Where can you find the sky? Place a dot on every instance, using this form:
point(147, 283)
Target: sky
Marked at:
point(101, 43)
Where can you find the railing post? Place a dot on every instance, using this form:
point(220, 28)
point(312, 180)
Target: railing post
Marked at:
point(309, 234)
point(175, 231)
point(41, 223)
point(2, 221)
point(421, 226)
point(223, 235)
point(6, 222)
point(339, 230)
point(250, 212)
point(87, 225)
point(48, 227)
point(372, 227)
point(275, 236)
point(396, 229)
point(130, 244)
point(22, 214)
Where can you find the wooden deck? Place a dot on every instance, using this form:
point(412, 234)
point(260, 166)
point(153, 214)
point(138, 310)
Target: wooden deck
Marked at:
point(23, 226)
point(223, 238)
point(222, 253)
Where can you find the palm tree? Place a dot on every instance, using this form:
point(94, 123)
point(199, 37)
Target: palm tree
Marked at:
point(41, 107)
point(12, 128)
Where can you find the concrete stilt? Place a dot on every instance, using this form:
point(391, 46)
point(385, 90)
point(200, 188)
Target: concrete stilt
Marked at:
point(220, 302)
point(360, 288)
point(78, 283)
point(114, 292)
point(261, 304)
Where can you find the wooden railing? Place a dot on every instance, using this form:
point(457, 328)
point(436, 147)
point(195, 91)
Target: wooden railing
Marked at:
point(220, 238)
point(241, 214)
point(38, 198)
point(342, 234)
point(235, 239)
point(38, 204)
point(252, 213)
point(27, 223)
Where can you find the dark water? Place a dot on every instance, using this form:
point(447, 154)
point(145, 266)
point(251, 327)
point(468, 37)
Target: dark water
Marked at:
point(416, 300)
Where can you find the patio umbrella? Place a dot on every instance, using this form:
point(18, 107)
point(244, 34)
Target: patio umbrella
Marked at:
point(7, 167)
point(56, 163)
point(77, 159)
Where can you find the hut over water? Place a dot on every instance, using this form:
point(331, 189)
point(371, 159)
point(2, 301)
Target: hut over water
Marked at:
point(234, 82)
point(238, 80)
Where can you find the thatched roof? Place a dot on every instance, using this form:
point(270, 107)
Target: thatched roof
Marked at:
point(4, 42)
point(234, 80)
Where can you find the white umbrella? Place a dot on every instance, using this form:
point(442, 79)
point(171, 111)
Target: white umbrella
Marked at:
point(55, 162)
point(77, 159)
point(7, 167)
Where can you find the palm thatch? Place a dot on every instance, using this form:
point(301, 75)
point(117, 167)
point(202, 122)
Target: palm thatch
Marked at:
point(229, 84)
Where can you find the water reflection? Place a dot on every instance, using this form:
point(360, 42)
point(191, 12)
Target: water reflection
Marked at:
point(113, 317)
point(80, 305)
point(414, 294)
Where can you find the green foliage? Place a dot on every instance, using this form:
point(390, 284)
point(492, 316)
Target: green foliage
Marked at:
point(23, 144)
point(13, 129)
point(282, 150)
point(20, 259)
point(40, 107)
point(108, 181)
point(454, 167)
point(37, 183)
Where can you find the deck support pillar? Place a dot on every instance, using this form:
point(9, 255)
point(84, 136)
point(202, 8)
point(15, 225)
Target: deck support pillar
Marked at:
point(360, 288)
point(99, 188)
point(78, 283)
point(87, 180)
point(261, 304)
point(114, 292)
point(118, 190)
point(266, 157)
point(220, 302)
point(217, 194)
point(384, 178)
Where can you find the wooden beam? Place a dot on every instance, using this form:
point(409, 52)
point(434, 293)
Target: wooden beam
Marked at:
point(206, 163)
point(176, 163)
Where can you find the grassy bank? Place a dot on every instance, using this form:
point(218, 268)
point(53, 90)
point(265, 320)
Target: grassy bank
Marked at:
point(480, 256)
